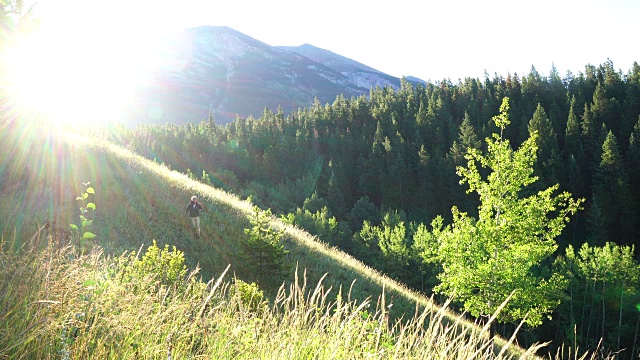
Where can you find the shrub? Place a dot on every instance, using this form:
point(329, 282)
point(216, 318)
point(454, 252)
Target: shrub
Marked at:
point(249, 295)
point(164, 264)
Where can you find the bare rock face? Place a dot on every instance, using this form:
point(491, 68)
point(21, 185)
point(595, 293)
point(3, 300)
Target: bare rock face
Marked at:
point(359, 75)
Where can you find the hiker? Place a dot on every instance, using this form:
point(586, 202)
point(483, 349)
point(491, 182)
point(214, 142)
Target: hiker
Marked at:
point(193, 209)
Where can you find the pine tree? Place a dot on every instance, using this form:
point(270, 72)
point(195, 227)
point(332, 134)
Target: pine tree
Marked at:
point(631, 104)
point(371, 169)
point(588, 138)
point(572, 133)
point(611, 187)
point(467, 138)
point(396, 182)
point(264, 250)
point(547, 144)
point(557, 95)
point(633, 161)
point(363, 210)
point(314, 203)
point(423, 194)
point(606, 110)
point(335, 198)
point(596, 227)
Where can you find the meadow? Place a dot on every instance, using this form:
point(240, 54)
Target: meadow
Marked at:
point(113, 297)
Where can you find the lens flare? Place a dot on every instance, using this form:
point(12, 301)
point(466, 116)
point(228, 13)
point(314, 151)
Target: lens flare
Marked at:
point(72, 78)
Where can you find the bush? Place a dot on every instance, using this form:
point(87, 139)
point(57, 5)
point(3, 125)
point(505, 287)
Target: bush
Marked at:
point(165, 265)
point(249, 295)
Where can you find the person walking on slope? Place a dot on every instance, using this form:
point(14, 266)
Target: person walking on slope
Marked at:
point(193, 209)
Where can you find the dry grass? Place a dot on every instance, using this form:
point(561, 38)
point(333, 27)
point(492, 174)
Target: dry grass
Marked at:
point(58, 304)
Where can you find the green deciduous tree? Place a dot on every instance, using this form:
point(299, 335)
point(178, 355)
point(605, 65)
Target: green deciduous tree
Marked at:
point(608, 277)
point(502, 252)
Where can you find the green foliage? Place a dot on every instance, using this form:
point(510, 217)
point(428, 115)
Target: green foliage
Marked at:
point(335, 198)
point(87, 207)
point(596, 227)
point(385, 246)
point(604, 286)
point(206, 178)
point(546, 164)
point(264, 250)
point(613, 193)
point(389, 146)
point(249, 295)
point(363, 210)
point(502, 119)
point(320, 223)
point(164, 265)
point(84, 309)
point(314, 203)
point(486, 260)
point(15, 17)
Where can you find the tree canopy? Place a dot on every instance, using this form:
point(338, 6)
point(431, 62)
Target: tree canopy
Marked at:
point(502, 252)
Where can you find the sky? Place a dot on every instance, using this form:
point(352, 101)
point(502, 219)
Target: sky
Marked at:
point(431, 40)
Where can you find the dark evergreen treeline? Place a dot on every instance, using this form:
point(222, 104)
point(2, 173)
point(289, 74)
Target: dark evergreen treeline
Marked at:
point(366, 174)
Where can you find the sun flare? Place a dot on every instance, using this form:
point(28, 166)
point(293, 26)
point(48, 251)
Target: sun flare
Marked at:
point(74, 77)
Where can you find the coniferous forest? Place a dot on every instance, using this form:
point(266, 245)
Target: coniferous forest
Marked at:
point(370, 175)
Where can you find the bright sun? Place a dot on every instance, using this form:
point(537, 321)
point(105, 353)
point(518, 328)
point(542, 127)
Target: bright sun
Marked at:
point(75, 77)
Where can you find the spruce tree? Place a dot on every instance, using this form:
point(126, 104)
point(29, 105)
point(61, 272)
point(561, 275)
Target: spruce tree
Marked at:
point(633, 161)
point(423, 196)
point(264, 250)
point(572, 133)
point(467, 138)
point(335, 198)
point(396, 182)
point(596, 227)
point(547, 144)
point(611, 187)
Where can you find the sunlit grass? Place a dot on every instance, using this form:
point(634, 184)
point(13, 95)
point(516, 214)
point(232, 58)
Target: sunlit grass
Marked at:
point(139, 200)
point(307, 246)
point(60, 304)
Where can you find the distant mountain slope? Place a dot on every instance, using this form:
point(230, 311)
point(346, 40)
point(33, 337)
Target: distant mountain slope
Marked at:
point(330, 59)
point(222, 71)
point(361, 75)
point(218, 70)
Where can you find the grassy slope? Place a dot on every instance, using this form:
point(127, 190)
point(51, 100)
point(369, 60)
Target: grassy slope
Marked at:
point(139, 200)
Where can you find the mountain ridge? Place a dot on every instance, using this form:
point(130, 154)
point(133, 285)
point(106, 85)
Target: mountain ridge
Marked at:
point(220, 71)
point(358, 73)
